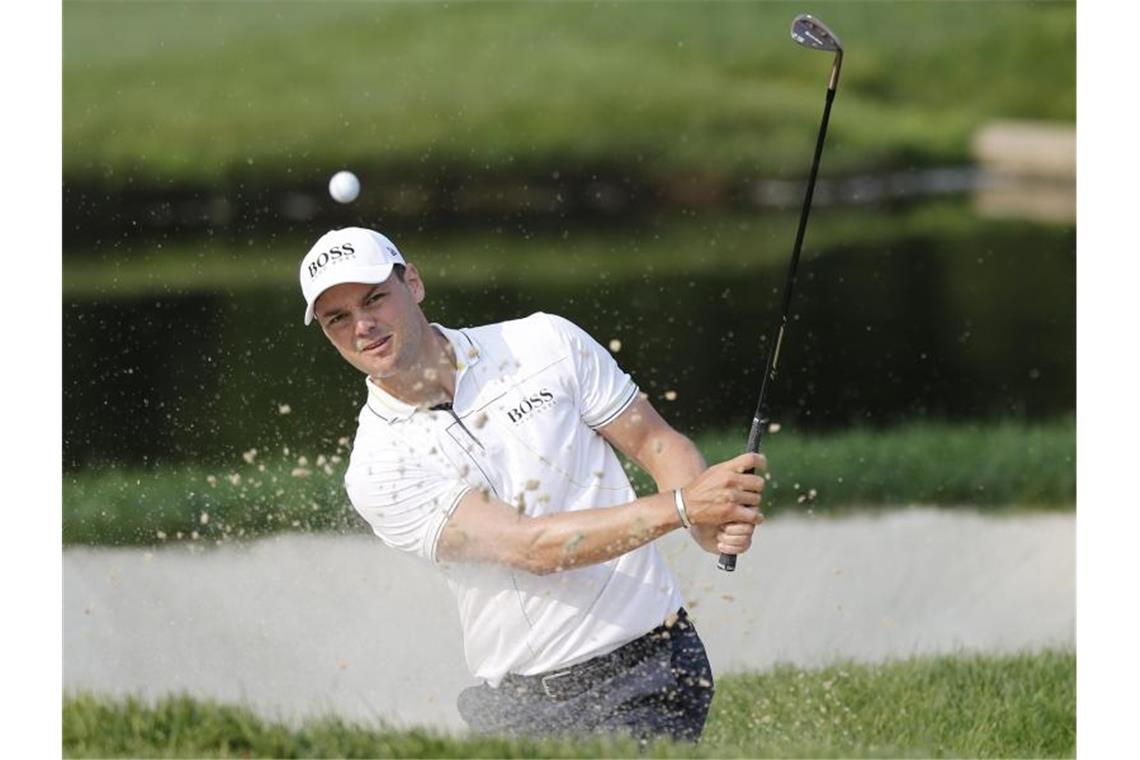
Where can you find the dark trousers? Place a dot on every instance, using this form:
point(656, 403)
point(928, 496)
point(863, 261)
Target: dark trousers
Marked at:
point(659, 685)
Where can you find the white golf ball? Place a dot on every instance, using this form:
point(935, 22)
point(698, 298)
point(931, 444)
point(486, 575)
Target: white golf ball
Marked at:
point(344, 187)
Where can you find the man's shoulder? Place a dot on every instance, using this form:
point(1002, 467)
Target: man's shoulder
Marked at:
point(373, 434)
point(536, 321)
point(388, 446)
point(380, 431)
point(540, 326)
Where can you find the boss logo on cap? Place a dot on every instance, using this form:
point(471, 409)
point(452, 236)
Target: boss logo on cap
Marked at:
point(335, 253)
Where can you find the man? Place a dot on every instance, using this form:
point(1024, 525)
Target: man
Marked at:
point(489, 451)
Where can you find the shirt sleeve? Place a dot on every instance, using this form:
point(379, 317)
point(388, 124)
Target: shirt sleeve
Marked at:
point(405, 501)
point(604, 390)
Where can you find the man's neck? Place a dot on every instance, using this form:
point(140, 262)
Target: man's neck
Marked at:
point(431, 380)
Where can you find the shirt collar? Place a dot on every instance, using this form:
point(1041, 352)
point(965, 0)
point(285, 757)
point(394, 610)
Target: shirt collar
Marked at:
point(389, 408)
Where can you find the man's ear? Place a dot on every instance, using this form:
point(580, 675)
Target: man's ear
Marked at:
point(414, 282)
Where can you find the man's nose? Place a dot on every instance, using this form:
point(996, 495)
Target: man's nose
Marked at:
point(364, 324)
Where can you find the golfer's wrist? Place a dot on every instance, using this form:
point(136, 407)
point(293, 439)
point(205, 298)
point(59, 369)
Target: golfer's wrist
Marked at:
point(677, 498)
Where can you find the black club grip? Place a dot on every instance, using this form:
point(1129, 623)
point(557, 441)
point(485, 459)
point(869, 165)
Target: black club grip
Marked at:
point(727, 562)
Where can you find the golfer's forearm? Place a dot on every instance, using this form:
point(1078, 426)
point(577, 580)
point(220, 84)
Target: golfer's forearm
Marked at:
point(574, 539)
point(672, 460)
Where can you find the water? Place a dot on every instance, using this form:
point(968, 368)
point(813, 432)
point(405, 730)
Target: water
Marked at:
point(300, 625)
point(899, 314)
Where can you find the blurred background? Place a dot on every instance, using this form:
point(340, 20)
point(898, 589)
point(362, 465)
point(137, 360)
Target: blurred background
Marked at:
point(635, 167)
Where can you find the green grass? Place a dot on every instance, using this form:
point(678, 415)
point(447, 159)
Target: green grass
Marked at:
point(995, 466)
point(203, 91)
point(270, 493)
point(949, 706)
point(986, 465)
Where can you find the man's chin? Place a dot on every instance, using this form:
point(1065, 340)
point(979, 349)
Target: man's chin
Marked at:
point(376, 370)
point(370, 364)
point(381, 369)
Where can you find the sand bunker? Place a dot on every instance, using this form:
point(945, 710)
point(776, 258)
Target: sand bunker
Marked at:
point(300, 624)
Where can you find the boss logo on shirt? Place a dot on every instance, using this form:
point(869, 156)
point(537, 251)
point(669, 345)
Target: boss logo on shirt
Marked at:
point(333, 254)
point(529, 405)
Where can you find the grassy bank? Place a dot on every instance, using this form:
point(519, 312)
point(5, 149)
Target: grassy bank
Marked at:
point(951, 706)
point(922, 463)
point(197, 92)
point(987, 467)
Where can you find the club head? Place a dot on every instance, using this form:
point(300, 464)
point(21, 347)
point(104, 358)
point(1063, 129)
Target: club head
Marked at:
point(810, 32)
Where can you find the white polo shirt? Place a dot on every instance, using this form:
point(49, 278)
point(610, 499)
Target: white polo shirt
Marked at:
point(529, 396)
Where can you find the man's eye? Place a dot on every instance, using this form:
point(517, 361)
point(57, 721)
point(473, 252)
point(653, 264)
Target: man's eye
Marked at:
point(337, 318)
point(375, 297)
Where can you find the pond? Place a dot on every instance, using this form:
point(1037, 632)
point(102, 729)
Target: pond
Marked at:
point(193, 349)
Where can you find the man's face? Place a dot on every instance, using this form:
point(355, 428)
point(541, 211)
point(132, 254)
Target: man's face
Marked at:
point(379, 329)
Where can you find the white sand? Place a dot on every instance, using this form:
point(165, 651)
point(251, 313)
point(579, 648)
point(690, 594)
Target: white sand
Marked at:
point(311, 624)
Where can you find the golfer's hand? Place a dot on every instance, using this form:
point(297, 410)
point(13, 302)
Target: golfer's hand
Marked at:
point(726, 496)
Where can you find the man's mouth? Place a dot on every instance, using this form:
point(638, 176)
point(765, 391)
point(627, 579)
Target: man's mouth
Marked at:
point(373, 345)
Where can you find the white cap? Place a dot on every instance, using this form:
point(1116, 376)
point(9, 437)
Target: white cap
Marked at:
point(353, 254)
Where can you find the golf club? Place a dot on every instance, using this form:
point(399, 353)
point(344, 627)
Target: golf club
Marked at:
point(811, 33)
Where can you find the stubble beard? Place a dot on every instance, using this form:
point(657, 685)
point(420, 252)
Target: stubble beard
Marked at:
point(407, 373)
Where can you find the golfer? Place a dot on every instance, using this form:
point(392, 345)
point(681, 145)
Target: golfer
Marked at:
point(489, 452)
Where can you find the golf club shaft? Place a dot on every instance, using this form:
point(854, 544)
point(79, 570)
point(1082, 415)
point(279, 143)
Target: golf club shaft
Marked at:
point(727, 562)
